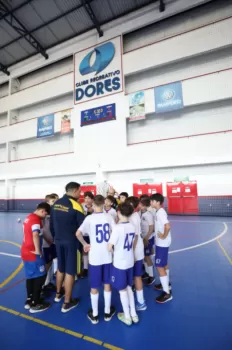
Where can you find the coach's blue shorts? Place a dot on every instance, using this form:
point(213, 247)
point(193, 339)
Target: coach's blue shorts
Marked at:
point(161, 256)
point(148, 249)
point(120, 279)
point(138, 268)
point(67, 257)
point(49, 253)
point(34, 269)
point(99, 275)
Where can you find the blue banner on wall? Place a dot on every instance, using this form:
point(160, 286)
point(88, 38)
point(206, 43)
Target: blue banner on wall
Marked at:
point(45, 126)
point(98, 115)
point(168, 97)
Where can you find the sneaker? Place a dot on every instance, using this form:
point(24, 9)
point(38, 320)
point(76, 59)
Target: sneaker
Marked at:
point(84, 273)
point(66, 307)
point(28, 304)
point(59, 296)
point(39, 308)
point(150, 281)
point(164, 298)
point(140, 307)
point(145, 276)
point(135, 319)
point(159, 286)
point(127, 321)
point(93, 319)
point(108, 317)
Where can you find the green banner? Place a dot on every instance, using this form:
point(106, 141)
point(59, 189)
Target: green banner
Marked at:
point(87, 183)
point(146, 181)
point(181, 178)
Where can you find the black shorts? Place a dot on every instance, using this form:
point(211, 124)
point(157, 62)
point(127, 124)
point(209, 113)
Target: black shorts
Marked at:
point(49, 253)
point(67, 257)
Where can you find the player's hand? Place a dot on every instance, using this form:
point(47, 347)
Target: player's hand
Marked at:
point(161, 235)
point(145, 242)
point(36, 253)
point(87, 248)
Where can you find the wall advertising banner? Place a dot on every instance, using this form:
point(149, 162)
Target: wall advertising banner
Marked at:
point(98, 71)
point(65, 121)
point(168, 97)
point(98, 115)
point(137, 106)
point(45, 126)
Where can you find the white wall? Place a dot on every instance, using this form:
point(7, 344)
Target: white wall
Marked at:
point(195, 56)
point(3, 119)
point(2, 152)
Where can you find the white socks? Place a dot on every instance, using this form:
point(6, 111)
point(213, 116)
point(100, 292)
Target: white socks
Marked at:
point(125, 303)
point(140, 297)
point(167, 272)
point(94, 302)
point(49, 276)
point(55, 265)
point(165, 283)
point(150, 271)
point(107, 298)
point(85, 262)
point(131, 301)
point(146, 267)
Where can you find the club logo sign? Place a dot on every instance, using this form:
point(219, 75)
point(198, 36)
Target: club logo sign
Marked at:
point(98, 71)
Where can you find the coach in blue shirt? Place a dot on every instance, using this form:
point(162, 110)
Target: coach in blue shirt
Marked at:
point(66, 217)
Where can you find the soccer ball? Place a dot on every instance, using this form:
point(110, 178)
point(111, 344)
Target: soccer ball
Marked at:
point(19, 220)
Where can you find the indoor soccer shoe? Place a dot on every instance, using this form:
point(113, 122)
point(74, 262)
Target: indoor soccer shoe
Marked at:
point(145, 276)
point(150, 281)
point(140, 307)
point(164, 298)
point(127, 321)
point(135, 319)
point(159, 286)
point(93, 319)
point(108, 317)
point(39, 308)
point(28, 304)
point(66, 307)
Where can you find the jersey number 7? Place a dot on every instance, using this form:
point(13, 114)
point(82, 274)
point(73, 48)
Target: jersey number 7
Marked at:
point(102, 233)
point(129, 241)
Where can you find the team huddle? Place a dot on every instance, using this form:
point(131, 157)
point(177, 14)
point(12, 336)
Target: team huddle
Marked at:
point(120, 242)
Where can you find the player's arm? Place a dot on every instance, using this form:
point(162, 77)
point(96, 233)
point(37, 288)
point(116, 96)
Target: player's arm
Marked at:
point(51, 224)
point(36, 229)
point(79, 234)
point(164, 220)
point(150, 231)
point(113, 239)
point(46, 235)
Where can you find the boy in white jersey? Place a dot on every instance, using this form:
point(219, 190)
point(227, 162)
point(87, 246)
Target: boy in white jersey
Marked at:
point(108, 207)
point(163, 242)
point(98, 226)
point(49, 248)
point(122, 242)
point(88, 210)
point(147, 227)
point(134, 219)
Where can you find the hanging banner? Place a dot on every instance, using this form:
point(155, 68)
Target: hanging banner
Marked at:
point(98, 71)
point(137, 106)
point(168, 97)
point(98, 115)
point(65, 121)
point(45, 126)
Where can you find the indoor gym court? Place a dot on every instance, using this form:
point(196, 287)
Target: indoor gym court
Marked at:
point(198, 318)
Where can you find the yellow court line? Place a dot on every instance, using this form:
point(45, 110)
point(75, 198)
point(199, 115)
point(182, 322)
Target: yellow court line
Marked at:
point(225, 252)
point(60, 329)
point(16, 271)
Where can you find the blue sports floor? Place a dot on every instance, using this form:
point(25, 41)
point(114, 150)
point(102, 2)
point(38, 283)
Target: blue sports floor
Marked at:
point(199, 317)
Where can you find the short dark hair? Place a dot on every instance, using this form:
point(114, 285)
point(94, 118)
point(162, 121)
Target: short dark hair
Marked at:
point(44, 206)
point(125, 194)
point(158, 197)
point(134, 201)
point(99, 200)
point(50, 196)
point(89, 194)
point(72, 186)
point(110, 198)
point(55, 195)
point(125, 209)
point(145, 202)
point(144, 196)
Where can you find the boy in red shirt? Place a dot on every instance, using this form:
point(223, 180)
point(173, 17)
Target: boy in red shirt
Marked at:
point(31, 254)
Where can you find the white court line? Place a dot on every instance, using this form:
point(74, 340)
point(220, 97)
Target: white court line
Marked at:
point(13, 255)
point(204, 243)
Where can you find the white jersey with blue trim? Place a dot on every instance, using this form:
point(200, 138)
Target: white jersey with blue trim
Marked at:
point(122, 238)
point(139, 249)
